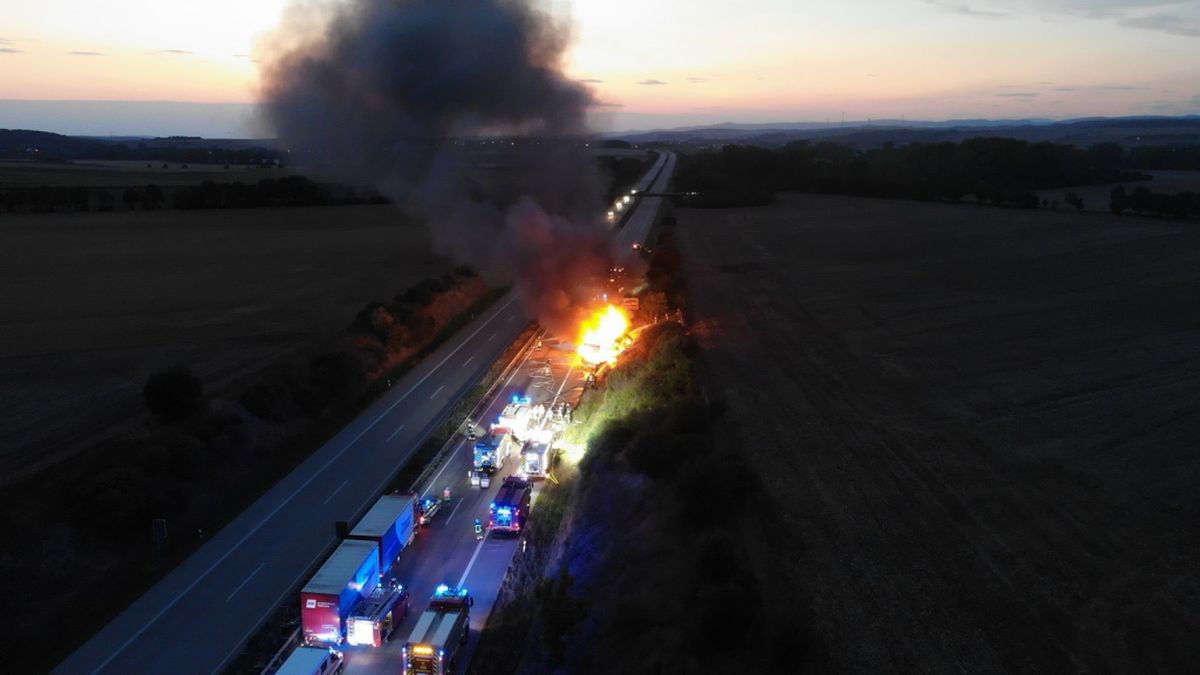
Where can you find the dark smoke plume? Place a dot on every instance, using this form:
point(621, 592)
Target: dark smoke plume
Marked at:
point(384, 91)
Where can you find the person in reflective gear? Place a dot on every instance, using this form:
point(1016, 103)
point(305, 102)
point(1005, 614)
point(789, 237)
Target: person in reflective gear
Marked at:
point(478, 529)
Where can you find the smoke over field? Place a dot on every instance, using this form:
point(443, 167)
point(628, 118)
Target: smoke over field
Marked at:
point(383, 91)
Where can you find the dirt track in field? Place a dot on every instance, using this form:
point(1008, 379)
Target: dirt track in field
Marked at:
point(981, 426)
point(94, 303)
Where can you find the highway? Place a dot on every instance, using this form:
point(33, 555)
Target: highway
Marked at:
point(447, 552)
point(196, 619)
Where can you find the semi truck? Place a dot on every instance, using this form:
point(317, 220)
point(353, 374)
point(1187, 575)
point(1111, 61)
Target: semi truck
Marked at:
point(491, 451)
point(508, 513)
point(391, 525)
point(312, 661)
point(349, 575)
point(372, 621)
point(440, 632)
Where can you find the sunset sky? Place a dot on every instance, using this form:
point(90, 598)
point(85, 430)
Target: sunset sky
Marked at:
point(653, 64)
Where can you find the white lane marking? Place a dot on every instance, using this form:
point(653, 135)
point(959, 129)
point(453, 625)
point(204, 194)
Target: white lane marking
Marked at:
point(463, 578)
point(397, 431)
point(454, 510)
point(442, 470)
point(244, 582)
point(564, 382)
point(336, 490)
point(469, 359)
point(491, 337)
point(460, 443)
point(254, 530)
point(437, 391)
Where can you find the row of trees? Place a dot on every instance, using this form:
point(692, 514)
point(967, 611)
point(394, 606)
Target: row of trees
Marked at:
point(992, 170)
point(1142, 200)
point(287, 191)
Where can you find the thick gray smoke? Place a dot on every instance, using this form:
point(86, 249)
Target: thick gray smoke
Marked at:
point(384, 92)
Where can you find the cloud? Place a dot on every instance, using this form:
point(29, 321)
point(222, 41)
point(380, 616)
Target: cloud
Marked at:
point(591, 80)
point(652, 82)
point(1165, 22)
point(697, 80)
point(967, 10)
point(1018, 94)
point(1175, 17)
point(1104, 87)
point(81, 53)
point(5, 41)
point(242, 56)
point(606, 104)
point(181, 52)
point(6, 50)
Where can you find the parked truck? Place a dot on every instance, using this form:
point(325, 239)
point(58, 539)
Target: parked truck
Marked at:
point(390, 524)
point(508, 513)
point(440, 632)
point(372, 621)
point(349, 575)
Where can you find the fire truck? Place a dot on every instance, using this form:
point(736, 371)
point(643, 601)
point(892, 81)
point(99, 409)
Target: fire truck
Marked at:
point(535, 457)
point(440, 632)
point(511, 508)
point(491, 451)
point(376, 615)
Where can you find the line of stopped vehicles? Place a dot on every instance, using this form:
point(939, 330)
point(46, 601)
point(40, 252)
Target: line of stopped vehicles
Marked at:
point(355, 599)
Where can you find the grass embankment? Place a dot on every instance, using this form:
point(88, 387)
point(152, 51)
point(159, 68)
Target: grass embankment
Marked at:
point(83, 528)
point(662, 559)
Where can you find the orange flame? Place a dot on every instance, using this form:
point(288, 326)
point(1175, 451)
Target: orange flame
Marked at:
point(601, 335)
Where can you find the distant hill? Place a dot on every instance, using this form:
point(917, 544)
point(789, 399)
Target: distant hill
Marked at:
point(1128, 131)
point(46, 146)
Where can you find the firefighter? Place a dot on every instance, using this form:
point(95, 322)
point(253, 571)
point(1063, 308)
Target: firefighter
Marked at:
point(478, 530)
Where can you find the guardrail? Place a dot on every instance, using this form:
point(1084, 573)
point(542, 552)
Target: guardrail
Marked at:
point(444, 453)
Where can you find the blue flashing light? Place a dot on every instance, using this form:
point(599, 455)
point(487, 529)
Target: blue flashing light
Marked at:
point(442, 589)
point(492, 506)
point(462, 592)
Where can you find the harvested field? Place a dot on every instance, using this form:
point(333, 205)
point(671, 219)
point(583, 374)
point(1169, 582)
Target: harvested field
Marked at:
point(980, 426)
point(93, 303)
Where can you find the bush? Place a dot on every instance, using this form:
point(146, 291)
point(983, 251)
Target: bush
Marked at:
point(659, 454)
point(560, 611)
point(174, 394)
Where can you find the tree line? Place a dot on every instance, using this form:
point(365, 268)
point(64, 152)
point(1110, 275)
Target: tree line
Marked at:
point(269, 192)
point(1143, 200)
point(1000, 171)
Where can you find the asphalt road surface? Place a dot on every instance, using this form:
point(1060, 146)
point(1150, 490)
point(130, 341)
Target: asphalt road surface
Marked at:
point(447, 551)
point(197, 618)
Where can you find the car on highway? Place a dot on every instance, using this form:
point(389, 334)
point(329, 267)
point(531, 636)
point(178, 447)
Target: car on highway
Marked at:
point(426, 508)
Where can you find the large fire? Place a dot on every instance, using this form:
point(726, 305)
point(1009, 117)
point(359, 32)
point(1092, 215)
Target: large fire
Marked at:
point(601, 334)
